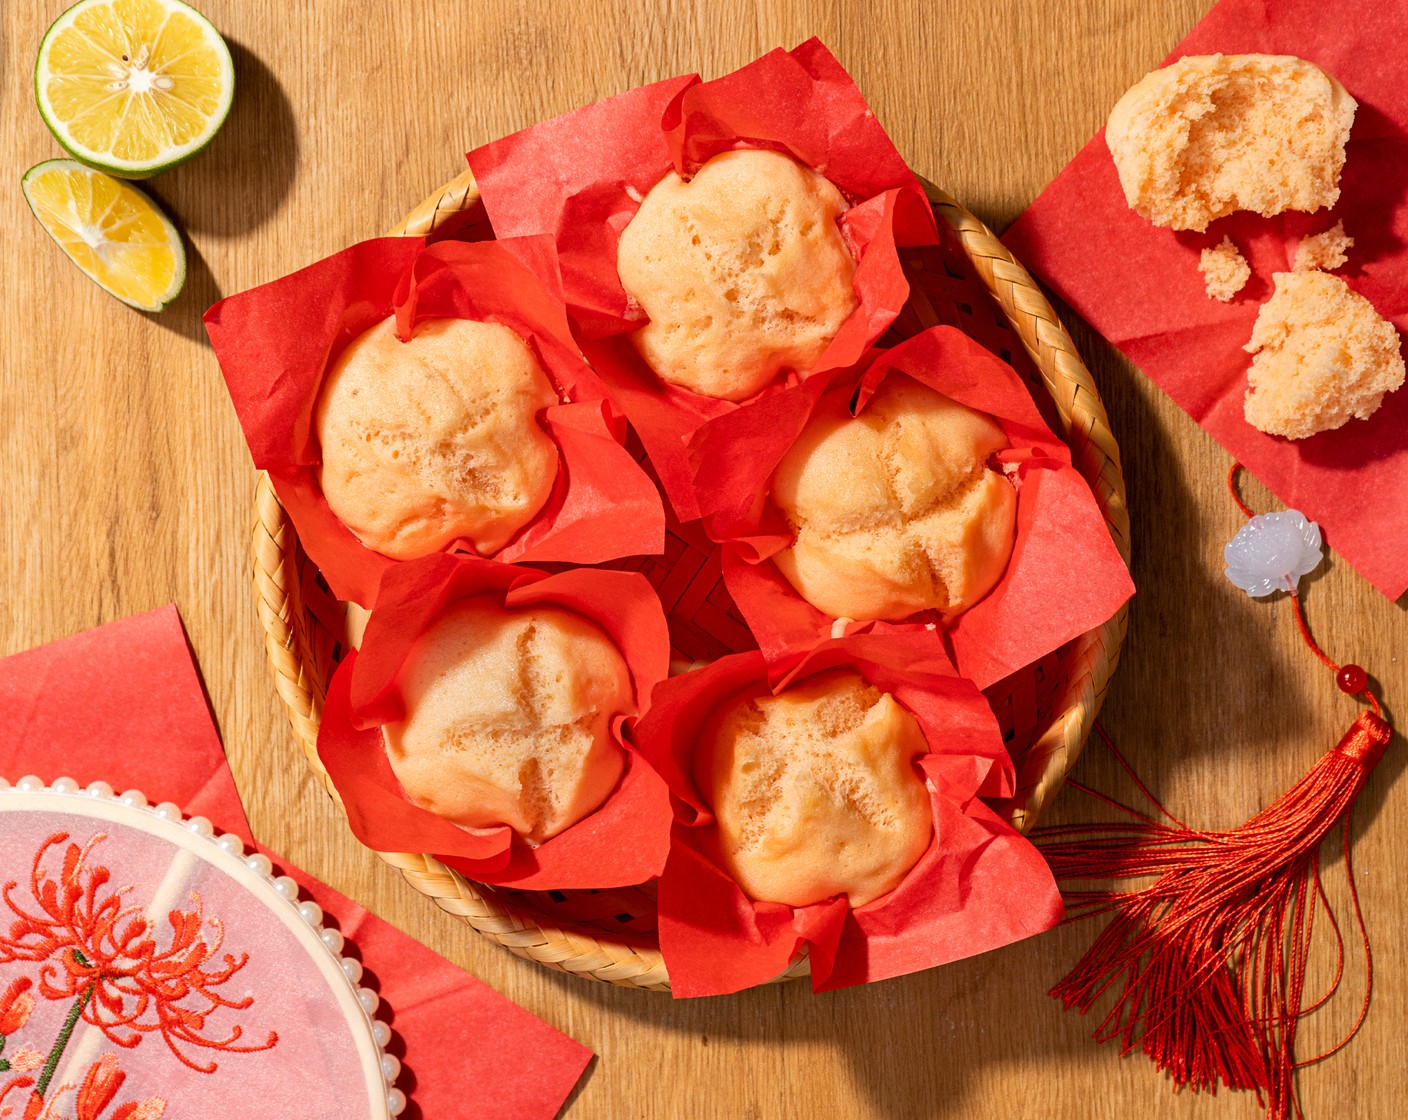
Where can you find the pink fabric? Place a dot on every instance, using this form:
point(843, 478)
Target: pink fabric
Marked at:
point(309, 1057)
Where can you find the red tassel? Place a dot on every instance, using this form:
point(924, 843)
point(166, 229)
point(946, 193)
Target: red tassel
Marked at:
point(1210, 959)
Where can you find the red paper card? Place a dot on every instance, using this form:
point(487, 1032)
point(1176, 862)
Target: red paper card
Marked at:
point(123, 704)
point(1140, 286)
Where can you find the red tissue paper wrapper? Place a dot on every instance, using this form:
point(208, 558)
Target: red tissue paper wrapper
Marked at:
point(1035, 608)
point(980, 885)
point(275, 342)
point(620, 844)
point(143, 724)
point(1140, 286)
point(606, 157)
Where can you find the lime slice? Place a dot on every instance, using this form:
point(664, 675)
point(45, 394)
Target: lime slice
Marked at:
point(133, 86)
point(109, 229)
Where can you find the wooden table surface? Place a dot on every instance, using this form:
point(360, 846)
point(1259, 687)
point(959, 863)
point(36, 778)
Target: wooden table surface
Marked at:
point(129, 487)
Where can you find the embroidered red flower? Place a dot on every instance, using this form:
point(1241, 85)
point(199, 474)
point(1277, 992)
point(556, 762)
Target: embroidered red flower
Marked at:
point(20, 1083)
point(16, 1005)
point(97, 1091)
point(104, 956)
point(101, 1084)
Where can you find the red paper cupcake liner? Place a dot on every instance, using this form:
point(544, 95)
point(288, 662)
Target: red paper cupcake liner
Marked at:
point(1036, 606)
point(621, 843)
point(607, 156)
point(979, 885)
point(275, 343)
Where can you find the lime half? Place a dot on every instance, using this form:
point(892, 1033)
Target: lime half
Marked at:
point(133, 86)
point(109, 229)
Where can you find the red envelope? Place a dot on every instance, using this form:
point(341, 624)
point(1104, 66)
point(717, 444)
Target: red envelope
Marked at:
point(1140, 286)
point(605, 157)
point(274, 343)
point(143, 723)
point(620, 844)
point(1035, 607)
point(980, 885)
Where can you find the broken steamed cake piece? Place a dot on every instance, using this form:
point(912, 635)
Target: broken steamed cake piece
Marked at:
point(1212, 134)
point(1225, 271)
point(1322, 357)
point(1328, 250)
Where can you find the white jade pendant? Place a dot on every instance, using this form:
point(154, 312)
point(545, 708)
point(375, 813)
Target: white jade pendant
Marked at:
point(1272, 552)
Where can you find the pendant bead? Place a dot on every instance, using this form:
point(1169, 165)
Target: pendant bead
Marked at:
point(1352, 679)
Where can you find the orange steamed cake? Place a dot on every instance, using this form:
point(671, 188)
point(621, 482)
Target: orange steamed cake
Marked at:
point(895, 510)
point(428, 441)
point(1211, 134)
point(742, 270)
point(815, 791)
point(508, 718)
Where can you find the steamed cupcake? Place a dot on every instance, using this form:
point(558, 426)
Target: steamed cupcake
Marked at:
point(895, 510)
point(742, 271)
point(437, 439)
point(508, 718)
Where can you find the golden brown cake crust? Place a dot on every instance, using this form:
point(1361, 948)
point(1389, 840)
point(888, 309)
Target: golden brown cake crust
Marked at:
point(438, 438)
point(1323, 356)
point(815, 791)
point(895, 511)
point(742, 271)
point(1208, 135)
point(508, 718)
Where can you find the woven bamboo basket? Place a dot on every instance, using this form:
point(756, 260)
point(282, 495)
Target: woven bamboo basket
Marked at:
point(1046, 711)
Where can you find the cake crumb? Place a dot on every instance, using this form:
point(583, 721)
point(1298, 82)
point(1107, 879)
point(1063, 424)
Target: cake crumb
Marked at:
point(1225, 271)
point(1326, 251)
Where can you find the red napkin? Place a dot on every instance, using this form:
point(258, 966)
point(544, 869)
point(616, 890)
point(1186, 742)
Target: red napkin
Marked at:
point(1034, 608)
point(123, 704)
point(620, 844)
point(1140, 286)
point(606, 157)
point(274, 343)
point(980, 885)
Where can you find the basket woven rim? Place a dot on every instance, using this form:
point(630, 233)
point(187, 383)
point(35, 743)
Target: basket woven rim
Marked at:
point(1095, 453)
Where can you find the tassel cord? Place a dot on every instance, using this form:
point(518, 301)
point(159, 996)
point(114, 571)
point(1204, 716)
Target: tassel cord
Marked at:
point(1368, 958)
point(1246, 913)
point(1208, 960)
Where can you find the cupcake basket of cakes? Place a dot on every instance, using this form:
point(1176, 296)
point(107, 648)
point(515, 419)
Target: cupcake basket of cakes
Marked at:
point(743, 540)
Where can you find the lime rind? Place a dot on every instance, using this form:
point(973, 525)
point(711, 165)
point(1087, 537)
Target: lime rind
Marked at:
point(173, 235)
point(134, 169)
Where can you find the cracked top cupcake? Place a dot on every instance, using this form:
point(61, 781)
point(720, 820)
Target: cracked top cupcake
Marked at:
point(742, 271)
